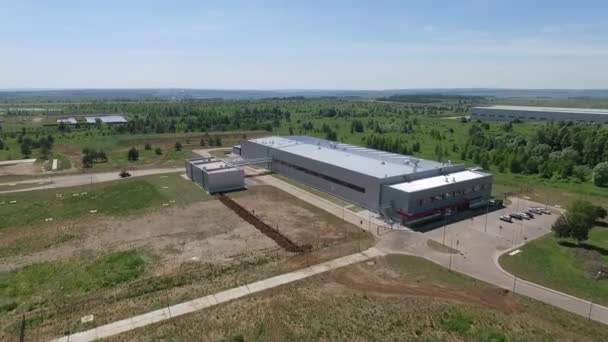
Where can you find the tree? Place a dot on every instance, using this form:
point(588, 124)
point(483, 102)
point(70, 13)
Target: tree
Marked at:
point(148, 146)
point(101, 156)
point(218, 141)
point(600, 174)
point(26, 149)
point(178, 146)
point(578, 220)
point(158, 151)
point(87, 161)
point(133, 154)
point(203, 142)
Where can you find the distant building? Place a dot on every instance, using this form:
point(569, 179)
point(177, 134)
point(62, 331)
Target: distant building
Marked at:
point(401, 187)
point(67, 121)
point(109, 119)
point(540, 114)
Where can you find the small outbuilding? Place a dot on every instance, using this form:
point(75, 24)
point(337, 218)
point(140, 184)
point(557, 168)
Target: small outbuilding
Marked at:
point(215, 175)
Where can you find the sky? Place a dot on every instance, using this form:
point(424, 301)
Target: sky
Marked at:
point(311, 44)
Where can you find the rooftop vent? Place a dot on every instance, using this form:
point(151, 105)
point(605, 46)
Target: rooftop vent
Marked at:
point(383, 162)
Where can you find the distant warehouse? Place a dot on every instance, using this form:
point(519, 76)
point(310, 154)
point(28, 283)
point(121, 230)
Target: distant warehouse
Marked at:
point(106, 118)
point(397, 186)
point(523, 113)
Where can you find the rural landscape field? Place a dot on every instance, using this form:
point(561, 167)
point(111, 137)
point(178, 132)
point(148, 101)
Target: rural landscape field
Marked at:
point(114, 248)
point(271, 170)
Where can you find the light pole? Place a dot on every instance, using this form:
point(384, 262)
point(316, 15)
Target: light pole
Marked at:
point(451, 252)
point(485, 228)
point(445, 219)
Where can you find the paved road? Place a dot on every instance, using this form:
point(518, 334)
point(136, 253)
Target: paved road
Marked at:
point(85, 178)
point(481, 245)
point(215, 299)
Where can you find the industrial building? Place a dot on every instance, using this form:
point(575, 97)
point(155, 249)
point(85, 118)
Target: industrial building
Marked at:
point(524, 113)
point(400, 187)
point(67, 121)
point(106, 118)
point(215, 175)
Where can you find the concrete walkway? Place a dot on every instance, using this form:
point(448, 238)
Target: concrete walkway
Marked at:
point(85, 178)
point(482, 244)
point(217, 298)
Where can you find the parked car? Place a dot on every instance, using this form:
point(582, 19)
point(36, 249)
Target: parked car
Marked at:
point(545, 211)
point(506, 218)
point(530, 213)
point(525, 216)
point(516, 216)
point(537, 211)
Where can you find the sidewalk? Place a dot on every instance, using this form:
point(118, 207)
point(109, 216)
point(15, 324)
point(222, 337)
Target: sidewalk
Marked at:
point(217, 298)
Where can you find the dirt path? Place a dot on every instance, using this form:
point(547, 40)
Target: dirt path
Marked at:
point(89, 178)
point(358, 279)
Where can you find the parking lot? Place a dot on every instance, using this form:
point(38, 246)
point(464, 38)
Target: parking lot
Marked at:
point(488, 231)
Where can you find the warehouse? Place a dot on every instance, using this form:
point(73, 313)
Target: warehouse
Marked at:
point(400, 187)
point(106, 118)
point(215, 175)
point(523, 113)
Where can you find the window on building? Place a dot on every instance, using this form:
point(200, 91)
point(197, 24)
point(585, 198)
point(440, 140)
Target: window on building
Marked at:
point(325, 177)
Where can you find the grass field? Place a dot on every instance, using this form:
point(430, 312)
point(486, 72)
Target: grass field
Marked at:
point(55, 281)
point(395, 298)
point(565, 267)
point(111, 198)
point(166, 256)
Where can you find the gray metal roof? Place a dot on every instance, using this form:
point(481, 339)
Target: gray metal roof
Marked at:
point(67, 121)
point(212, 165)
point(438, 181)
point(106, 118)
point(548, 109)
point(359, 159)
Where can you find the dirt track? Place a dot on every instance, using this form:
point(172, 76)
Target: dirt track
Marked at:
point(358, 279)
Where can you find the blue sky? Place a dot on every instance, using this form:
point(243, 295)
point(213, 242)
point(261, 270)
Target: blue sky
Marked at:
point(303, 44)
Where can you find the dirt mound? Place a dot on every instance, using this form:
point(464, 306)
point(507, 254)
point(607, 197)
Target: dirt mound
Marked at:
point(360, 280)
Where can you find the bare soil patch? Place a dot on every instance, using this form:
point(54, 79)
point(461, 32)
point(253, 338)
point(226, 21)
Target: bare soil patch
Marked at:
point(204, 231)
point(300, 221)
point(21, 169)
point(361, 280)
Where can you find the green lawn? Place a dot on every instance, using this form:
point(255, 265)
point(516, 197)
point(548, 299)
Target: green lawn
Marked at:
point(55, 281)
point(569, 269)
point(112, 198)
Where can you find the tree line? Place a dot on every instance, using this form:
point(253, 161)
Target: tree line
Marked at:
point(563, 150)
